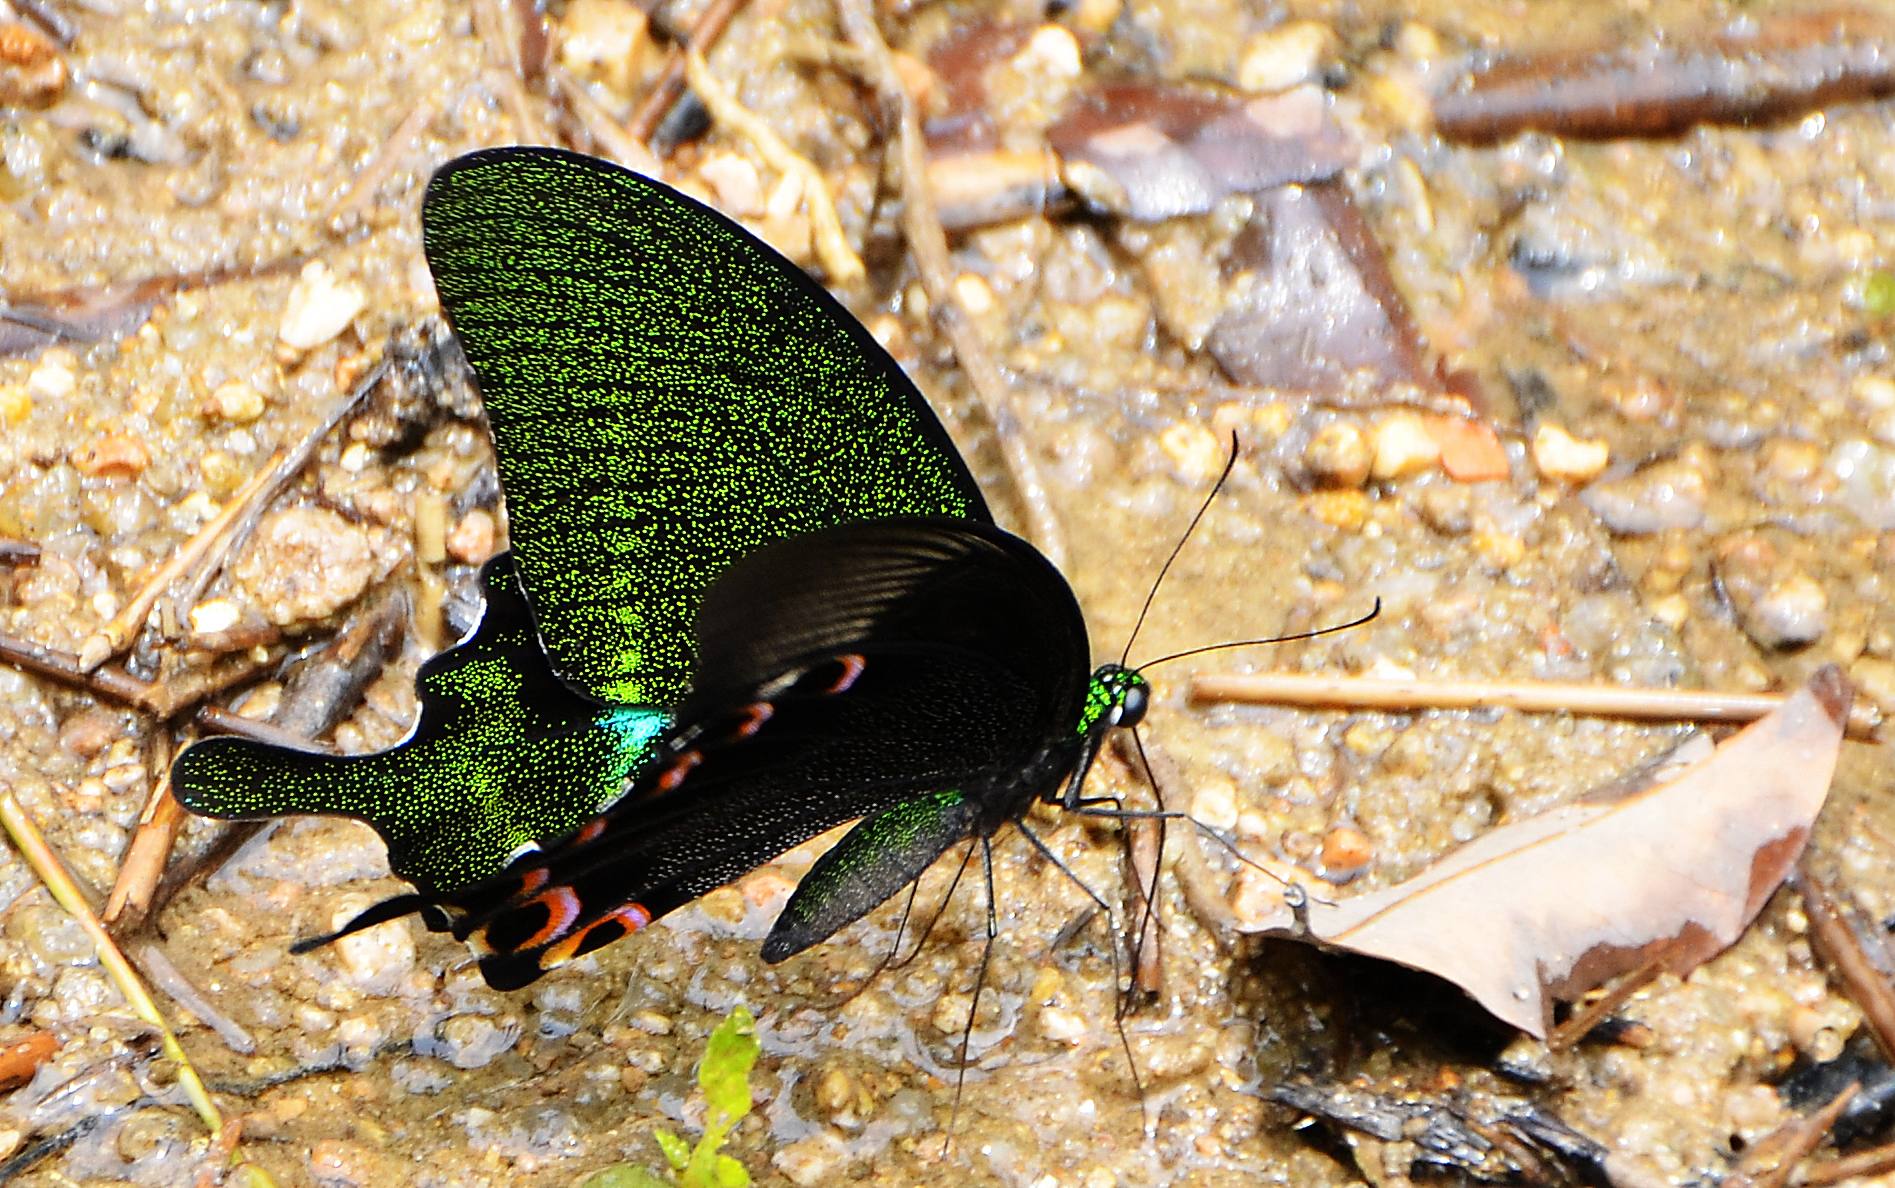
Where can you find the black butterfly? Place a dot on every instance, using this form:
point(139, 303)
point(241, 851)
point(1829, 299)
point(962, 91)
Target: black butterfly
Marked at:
point(928, 674)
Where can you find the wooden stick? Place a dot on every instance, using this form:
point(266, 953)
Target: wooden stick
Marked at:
point(839, 260)
point(124, 627)
point(927, 243)
point(1862, 976)
point(1773, 1159)
point(52, 872)
point(670, 85)
point(1345, 692)
point(139, 870)
point(1872, 1162)
point(1594, 1013)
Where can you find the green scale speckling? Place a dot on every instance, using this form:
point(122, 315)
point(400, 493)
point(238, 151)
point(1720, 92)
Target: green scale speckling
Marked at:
point(666, 396)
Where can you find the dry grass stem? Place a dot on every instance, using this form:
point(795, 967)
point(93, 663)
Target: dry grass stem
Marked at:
point(52, 872)
point(1595, 1012)
point(1772, 1160)
point(1346, 692)
point(145, 858)
point(838, 259)
point(383, 163)
point(670, 85)
point(1873, 1162)
point(1841, 944)
point(597, 123)
point(124, 627)
point(927, 242)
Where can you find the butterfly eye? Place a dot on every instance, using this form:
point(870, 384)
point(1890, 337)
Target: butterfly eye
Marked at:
point(1131, 707)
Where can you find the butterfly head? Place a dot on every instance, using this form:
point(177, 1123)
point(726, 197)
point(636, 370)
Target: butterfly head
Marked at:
point(1116, 696)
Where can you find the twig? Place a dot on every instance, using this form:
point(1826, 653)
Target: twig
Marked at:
point(1142, 856)
point(492, 23)
point(927, 242)
point(17, 552)
point(52, 872)
point(144, 860)
point(115, 684)
point(172, 981)
point(383, 163)
point(1345, 692)
point(1865, 979)
point(1594, 1013)
point(670, 85)
point(124, 627)
point(285, 467)
point(1771, 1159)
point(607, 136)
point(832, 246)
point(1872, 1162)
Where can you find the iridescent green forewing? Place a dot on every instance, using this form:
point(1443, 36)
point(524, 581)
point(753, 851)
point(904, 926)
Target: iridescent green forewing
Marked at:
point(666, 395)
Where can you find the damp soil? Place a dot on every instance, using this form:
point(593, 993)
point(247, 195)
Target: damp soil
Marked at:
point(1700, 305)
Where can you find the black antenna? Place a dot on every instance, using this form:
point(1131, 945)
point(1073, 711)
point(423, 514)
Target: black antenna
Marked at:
point(1374, 611)
point(1229, 463)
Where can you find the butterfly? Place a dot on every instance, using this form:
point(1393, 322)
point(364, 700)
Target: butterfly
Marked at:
point(666, 395)
point(929, 675)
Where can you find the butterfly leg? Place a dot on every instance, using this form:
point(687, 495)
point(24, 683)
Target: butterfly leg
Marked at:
point(980, 980)
point(1112, 930)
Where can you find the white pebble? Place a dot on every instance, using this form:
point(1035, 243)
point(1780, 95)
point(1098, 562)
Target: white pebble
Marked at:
point(1280, 58)
point(1566, 458)
point(52, 379)
point(319, 307)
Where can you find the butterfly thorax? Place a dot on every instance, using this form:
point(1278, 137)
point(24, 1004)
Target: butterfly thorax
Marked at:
point(1115, 696)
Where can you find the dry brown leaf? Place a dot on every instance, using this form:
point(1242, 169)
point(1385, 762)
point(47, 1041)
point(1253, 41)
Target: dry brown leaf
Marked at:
point(1550, 907)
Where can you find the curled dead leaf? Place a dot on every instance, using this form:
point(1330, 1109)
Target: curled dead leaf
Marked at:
point(1552, 906)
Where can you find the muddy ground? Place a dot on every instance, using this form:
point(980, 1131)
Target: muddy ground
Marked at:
point(1704, 318)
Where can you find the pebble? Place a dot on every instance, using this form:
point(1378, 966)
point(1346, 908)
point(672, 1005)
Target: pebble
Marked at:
point(15, 403)
point(52, 377)
point(1338, 455)
point(32, 73)
point(811, 1160)
point(319, 308)
point(234, 401)
point(376, 960)
point(1280, 58)
point(88, 732)
point(602, 39)
point(115, 455)
point(1669, 494)
point(1346, 853)
point(1876, 678)
point(1194, 450)
point(1778, 604)
point(1470, 450)
point(1403, 446)
point(736, 182)
point(1062, 1026)
point(469, 1041)
point(307, 563)
point(1568, 459)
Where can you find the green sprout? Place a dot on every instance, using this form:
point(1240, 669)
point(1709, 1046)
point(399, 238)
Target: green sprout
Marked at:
point(1878, 294)
point(724, 1077)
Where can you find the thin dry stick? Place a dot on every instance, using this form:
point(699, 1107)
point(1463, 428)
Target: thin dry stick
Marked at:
point(927, 242)
point(52, 872)
point(1872, 1162)
point(1832, 937)
point(285, 467)
point(598, 123)
point(1770, 1161)
point(493, 25)
point(124, 627)
point(383, 163)
point(1594, 1013)
point(670, 85)
point(832, 246)
point(158, 826)
point(1344, 692)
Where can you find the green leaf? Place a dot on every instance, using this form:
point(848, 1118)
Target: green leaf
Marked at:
point(731, 1174)
point(724, 1076)
point(1878, 294)
point(623, 1175)
point(677, 1154)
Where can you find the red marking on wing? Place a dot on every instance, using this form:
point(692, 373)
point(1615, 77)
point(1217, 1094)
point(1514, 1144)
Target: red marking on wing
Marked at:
point(852, 664)
point(533, 880)
point(680, 768)
point(562, 909)
point(631, 917)
point(754, 716)
point(590, 831)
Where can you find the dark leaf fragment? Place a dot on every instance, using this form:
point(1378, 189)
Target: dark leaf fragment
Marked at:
point(1151, 150)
